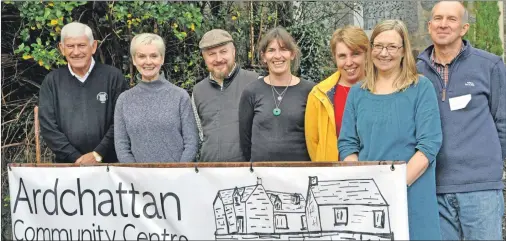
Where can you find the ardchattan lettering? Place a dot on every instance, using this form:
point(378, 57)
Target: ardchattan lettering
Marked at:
point(52, 201)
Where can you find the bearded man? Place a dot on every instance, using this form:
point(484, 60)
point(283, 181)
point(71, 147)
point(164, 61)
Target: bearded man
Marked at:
point(215, 99)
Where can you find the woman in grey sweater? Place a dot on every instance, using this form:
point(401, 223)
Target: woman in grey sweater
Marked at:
point(153, 121)
point(271, 110)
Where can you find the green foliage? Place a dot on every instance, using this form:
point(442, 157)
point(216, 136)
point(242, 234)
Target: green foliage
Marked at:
point(114, 28)
point(42, 23)
point(6, 200)
point(316, 61)
point(181, 24)
point(484, 33)
point(175, 22)
point(177, 18)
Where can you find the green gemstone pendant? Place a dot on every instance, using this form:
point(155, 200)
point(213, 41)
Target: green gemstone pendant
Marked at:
point(276, 111)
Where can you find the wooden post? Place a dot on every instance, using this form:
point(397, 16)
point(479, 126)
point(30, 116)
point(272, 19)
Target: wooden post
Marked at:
point(37, 131)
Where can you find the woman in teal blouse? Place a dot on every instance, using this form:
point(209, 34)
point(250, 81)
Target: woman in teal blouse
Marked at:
point(394, 115)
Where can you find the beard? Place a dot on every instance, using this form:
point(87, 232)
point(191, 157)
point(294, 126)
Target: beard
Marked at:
point(223, 73)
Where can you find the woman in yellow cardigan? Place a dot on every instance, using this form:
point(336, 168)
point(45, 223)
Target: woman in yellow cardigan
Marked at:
point(326, 101)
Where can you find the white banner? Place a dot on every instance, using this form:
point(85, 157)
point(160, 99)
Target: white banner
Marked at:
point(275, 203)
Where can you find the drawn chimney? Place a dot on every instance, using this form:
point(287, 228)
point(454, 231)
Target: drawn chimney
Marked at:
point(313, 181)
point(295, 199)
point(259, 181)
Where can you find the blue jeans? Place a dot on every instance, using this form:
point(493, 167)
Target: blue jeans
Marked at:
point(471, 215)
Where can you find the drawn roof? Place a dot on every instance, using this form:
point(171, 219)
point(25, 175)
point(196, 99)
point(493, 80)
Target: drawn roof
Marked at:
point(286, 201)
point(246, 192)
point(227, 195)
point(353, 191)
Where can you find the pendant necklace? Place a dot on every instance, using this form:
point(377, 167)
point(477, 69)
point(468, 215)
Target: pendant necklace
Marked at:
point(277, 111)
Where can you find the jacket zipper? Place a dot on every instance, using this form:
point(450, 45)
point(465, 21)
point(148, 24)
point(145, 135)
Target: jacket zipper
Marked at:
point(443, 83)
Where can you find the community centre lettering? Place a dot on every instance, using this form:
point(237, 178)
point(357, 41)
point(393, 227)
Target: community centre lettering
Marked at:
point(83, 201)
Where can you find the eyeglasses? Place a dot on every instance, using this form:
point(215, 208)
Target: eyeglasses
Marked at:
point(390, 48)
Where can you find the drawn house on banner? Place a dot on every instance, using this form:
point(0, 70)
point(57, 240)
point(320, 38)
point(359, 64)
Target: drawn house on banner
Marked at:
point(289, 212)
point(335, 209)
point(355, 207)
point(230, 213)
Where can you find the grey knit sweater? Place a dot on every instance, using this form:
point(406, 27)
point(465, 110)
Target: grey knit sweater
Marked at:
point(154, 123)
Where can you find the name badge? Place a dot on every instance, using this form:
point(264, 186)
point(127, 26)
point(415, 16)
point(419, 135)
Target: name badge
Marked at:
point(459, 102)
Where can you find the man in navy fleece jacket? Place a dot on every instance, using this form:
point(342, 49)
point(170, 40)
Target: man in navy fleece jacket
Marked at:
point(471, 86)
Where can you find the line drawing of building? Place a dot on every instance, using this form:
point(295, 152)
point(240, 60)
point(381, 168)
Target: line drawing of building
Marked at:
point(351, 209)
point(289, 212)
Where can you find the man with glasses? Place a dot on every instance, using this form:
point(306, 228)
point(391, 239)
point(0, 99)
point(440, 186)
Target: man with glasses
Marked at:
point(471, 86)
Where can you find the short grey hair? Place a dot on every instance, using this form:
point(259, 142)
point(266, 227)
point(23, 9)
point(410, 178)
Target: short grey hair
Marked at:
point(147, 38)
point(76, 29)
point(465, 16)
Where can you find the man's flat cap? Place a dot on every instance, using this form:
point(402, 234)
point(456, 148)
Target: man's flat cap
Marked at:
point(215, 37)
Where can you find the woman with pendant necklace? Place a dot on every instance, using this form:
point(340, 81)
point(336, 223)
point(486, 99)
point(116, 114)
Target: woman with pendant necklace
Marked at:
point(271, 110)
point(325, 105)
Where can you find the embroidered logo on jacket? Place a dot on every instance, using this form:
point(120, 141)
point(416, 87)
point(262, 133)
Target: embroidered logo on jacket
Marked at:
point(469, 83)
point(102, 97)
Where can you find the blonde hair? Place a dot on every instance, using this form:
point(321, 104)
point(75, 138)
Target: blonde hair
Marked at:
point(147, 38)
point(352, 36)
point(408, 74)
point(284, 38)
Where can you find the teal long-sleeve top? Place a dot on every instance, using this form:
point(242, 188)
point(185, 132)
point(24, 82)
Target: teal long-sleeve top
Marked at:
point(394, 127)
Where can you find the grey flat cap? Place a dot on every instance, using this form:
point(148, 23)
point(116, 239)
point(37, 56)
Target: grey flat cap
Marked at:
point(215, 37)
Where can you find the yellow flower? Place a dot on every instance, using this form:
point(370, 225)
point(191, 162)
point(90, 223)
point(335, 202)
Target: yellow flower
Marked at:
point(129, 15)
point(192, 27)
point(33, 27)
point(138, 20)
point(54, 22)
point(129, 21)
point(41, 63)
point(234, 18)
point(174, 25)
point(25, 57)
point(50, 4)
point(184, 34)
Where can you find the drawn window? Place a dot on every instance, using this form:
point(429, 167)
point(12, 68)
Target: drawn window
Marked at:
point(240, 224)
point(340, 216)
point(237, 203)
point(277, 205)
point(379, 218)
point(281, 221)
point(304, 222)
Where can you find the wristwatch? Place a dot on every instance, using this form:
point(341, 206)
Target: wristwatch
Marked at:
point(98, 158)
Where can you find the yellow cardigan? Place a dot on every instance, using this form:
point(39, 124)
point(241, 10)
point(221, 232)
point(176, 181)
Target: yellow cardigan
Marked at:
point(320, 122)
